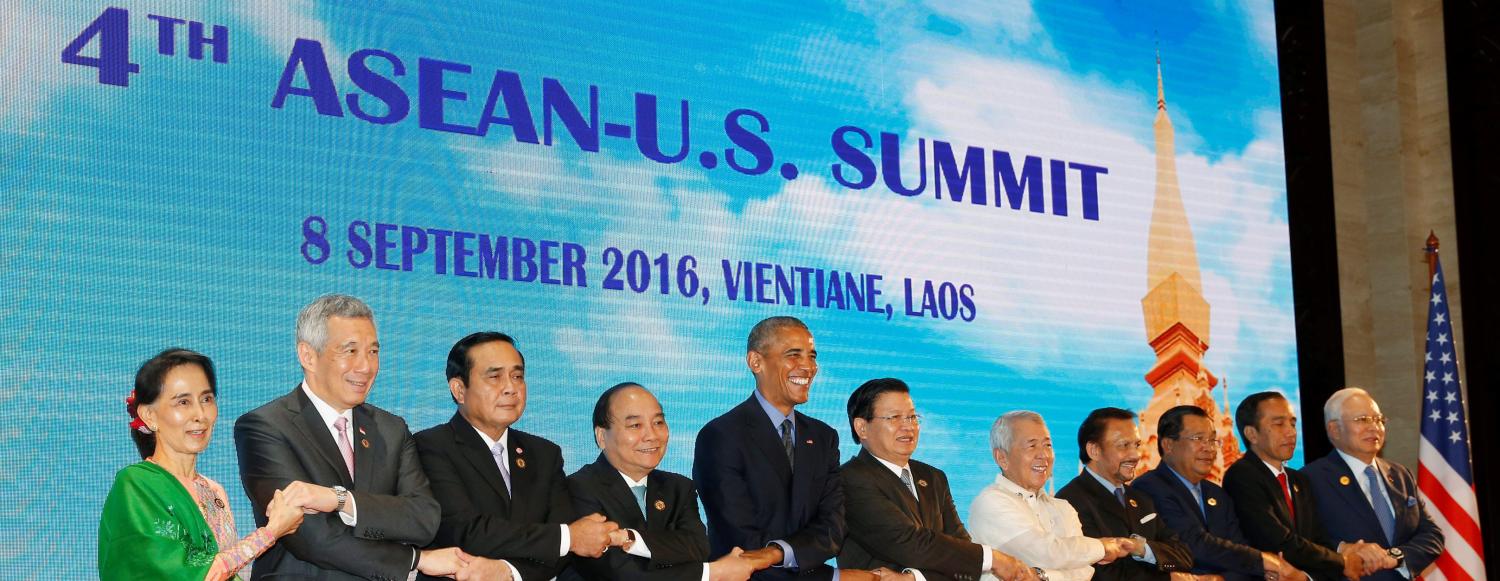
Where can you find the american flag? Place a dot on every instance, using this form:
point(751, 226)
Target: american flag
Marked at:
point(1445, 475)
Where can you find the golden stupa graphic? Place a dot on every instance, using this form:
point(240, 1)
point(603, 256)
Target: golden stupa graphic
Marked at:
point(1176, 313)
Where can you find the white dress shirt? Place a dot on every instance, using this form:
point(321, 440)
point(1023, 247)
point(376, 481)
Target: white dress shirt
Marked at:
point(639, 548)
point(989, 555)
point(489, 443)
point(349, 515)
point(1358, 468)
point(1040, 530)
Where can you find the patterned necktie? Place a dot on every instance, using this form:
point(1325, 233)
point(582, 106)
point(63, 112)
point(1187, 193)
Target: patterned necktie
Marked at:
point(786, 438)
point(499, 453)
point(1381, 505)
point(906, 479)
point(1287, 492)
point(345, 448)
point(640, 497)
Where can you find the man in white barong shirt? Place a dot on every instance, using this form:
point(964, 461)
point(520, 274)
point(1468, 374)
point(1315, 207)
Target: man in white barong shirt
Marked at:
point(1014, 515)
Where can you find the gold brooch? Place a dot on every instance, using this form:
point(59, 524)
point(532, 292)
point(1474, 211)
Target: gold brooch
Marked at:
point(660, 505)
point(364, 442)
point(1132, 503)
point(520, 462)
point(922, 483)
point(1213, 502)
point(1344, 480)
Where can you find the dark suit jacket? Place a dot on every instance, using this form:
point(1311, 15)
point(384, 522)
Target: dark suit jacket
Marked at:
point(1211, 533)
point(479, 516)
point(286, 440)
point(889, 528)
point(670, 527)
point(1262, 510)
point(1103, 516)
point(1347, 514)
point(752, 497)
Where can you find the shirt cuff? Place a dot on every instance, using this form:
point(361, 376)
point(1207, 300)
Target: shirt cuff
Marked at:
point(353, 516)
point(788, 558)
point(1149, 557)
point(514, 574)
point(704, 577)
point(638, 548)
point(915, 574)
point(567, 541)
point(989, 559)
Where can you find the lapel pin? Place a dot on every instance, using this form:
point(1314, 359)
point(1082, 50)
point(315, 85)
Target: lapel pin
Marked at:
point(922, 483)
point(364, 442)
point(520, 462)
point(518, 450)
point(1213, 502)
point(219, 502)
point(809, 442)
point(660, 505)
point(361, 430)
point(1296, 488)
point(1344, 480)
point(1133, 504)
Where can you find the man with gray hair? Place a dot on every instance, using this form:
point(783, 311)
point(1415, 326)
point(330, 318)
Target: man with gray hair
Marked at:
point(1014, 514)
point(377, 510)
point(1363, 497)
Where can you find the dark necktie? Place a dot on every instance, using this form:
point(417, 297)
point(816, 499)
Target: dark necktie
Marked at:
point(1381, 505)
point(1120, 494)
point(786, 438)
point(1287, 493)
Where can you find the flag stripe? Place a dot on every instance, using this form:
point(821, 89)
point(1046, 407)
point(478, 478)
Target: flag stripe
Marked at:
point(1458, 549)
point(1451, 568)
point(1461, 490)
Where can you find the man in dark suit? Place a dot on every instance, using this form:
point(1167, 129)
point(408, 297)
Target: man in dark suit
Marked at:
point(657, 510)
point(1274, 502)
point(1199, 511)
point(377, 507)
point(900, 511)
point(1364, 497)
point(1109, 444)
point(768, 475)
point(503, 494)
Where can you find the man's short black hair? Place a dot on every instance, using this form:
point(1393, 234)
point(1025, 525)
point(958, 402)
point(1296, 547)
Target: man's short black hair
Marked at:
point(862, 401)
point(1248, 414)
point(761, 333)
point(1092, 429)
point(1169, 425)
point(459, 362)
point(601, 407)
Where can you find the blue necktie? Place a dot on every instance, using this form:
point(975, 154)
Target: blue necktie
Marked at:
point(1120, 494)
point(640, 497)
point(1381, 505)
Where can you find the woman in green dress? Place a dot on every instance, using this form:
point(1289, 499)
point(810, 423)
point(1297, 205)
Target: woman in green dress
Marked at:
point(164, 520)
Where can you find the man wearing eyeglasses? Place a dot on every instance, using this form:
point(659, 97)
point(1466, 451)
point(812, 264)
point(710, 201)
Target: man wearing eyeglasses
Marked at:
point(899, 511)
point(1362, 497)
point(1199, 510)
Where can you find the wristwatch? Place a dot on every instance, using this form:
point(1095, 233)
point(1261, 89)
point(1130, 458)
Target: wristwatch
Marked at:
point(342, 494)
point(1395, 553)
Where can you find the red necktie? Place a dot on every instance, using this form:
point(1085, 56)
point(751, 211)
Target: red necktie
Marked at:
point(1287, 492)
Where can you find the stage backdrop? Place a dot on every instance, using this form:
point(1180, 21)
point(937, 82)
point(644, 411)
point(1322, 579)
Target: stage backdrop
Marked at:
point(1008, 205)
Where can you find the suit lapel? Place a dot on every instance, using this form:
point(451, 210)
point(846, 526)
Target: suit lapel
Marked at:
point(472, 448)
point(891, 484)
point(763, 437)
point(1184, 494)
point(367, 447)
point(927, 502)
point(1351, 493)
point(522, 480)
point(1105, 498)
point(808, 457)
point(659, 504)
point(615, 495)
point(316, 433)
point(1398, 496)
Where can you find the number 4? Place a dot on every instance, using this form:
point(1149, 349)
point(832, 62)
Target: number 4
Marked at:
point(113, 30)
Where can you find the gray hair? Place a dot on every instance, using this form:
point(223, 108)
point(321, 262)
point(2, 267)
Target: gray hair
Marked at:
point(312, 322)
point(761, 333)
point(1003, 430)
point(1333, 409)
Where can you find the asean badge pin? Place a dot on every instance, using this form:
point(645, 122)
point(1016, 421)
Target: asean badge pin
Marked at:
point(1213, 502)
point(1133, 504)
point(1344, 480)
point(520, 462)
point(364, 442)
point(660, 505)
point(922, 483)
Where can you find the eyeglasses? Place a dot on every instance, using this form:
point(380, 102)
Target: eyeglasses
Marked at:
point(1377, 419)
point(913, 419)
point(1200, 439)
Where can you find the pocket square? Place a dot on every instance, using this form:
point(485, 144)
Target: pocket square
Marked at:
point(1148, 518)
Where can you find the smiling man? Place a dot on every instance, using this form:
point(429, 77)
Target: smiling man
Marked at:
point(900, 511)
point(768, 475)
point(1109, 444)
point(1014, 514)
point(378, 506)
point(502, 490)
point(658, 510)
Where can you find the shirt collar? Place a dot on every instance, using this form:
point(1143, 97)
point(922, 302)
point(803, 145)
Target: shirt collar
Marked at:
point(1355, 465)
point(327, 412)
point(1275, 471)
point(1010, 487)
point(489, 442)
point(890, 466)
point(1110, 486)
point(634, 483)
point(775, 414)
point(1191, 486)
